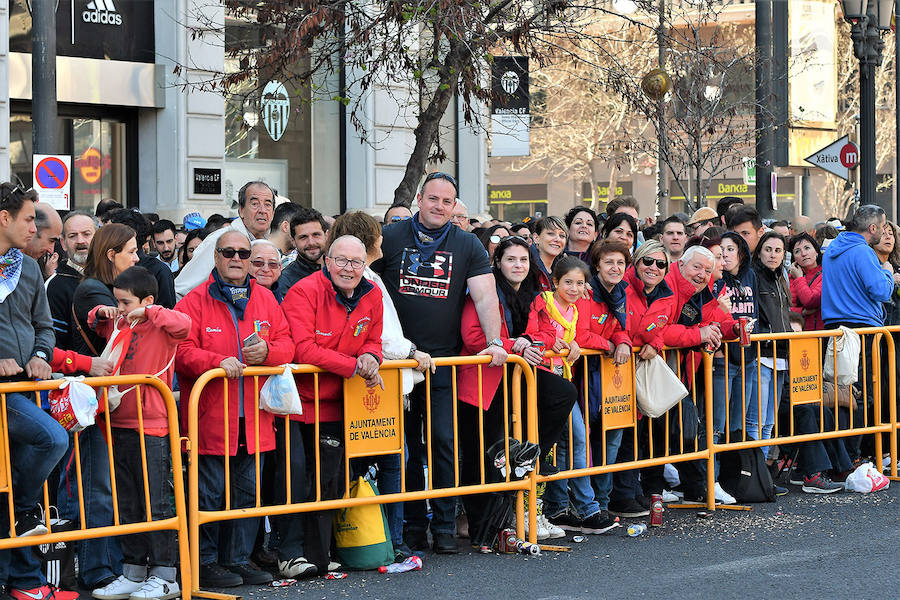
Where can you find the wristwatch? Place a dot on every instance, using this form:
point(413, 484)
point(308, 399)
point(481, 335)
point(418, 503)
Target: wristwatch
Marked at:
point(41, 355)
point(496, 342)
point(412, 351)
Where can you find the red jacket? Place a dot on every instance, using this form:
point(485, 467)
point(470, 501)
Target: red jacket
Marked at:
point(806, 292)
point(474, 341)
point(69, 362)
point(645, 323)
point(153, 343)
point(597, 326)
point(676, 335)
point(216, 335)
point(331, 335)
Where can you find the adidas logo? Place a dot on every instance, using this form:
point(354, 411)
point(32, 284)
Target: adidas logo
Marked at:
point(101, 11)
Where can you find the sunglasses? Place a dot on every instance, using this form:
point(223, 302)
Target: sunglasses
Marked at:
point(440, 175)
point(660, 264)
point(243, 253)
point(260, 263)
point(398, 218)
point(9, 195)
point(496, 239)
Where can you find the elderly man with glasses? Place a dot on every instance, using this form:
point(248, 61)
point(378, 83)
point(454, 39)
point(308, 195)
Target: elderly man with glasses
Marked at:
point(236, 323)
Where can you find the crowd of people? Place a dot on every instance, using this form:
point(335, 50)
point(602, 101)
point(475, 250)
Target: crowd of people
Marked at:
point(281, 284)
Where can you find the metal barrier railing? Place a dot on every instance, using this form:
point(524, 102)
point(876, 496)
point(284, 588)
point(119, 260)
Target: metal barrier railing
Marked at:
point(177, 523)
point(392, 396)
point(805, 359)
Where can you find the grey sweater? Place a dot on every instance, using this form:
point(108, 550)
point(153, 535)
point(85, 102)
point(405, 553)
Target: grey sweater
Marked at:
point(25, 323)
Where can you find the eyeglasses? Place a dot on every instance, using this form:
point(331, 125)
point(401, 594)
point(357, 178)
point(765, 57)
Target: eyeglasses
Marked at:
point(439, 175)
point(398, 218)
point(260, 263)
point(243, 253)
point(463, 218)
point(342, 262)
point(660, 264)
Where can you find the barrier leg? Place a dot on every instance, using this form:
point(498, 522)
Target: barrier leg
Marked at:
point(710, 432)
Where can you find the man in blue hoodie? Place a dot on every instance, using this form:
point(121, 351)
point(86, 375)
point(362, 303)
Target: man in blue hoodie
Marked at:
point(854, 286)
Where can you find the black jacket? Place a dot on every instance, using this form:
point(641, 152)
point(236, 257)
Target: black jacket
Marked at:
point(774, 299)
point(294, 272)
point(60, 292)
point(90, 293)
point(164, 279)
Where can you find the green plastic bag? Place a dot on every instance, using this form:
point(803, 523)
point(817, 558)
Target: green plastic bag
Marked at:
point(361, 533)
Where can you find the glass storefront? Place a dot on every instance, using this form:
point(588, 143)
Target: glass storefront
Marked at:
point(98, 148)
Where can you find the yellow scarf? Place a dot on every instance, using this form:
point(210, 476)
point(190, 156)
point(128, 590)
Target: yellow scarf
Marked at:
point(569, 326)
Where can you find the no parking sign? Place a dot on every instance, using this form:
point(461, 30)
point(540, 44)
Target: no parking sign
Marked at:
point(52, 179)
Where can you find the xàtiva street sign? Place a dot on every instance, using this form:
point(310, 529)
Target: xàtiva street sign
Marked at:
point(837, 157)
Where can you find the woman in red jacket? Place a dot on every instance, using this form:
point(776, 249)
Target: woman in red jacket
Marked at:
point(806, 281)
point(648, 314)
point(517, 287)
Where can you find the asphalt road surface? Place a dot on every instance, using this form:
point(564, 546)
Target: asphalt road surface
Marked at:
point(843, 545)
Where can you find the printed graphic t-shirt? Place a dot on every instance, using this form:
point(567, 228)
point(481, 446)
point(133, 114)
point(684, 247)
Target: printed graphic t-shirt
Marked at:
point(429, 295)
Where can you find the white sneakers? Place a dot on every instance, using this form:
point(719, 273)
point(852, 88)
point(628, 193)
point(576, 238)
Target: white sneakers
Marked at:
point(668, 496)
point(554, 531)
point(157, 588)
point(542, 532)
point(723, 496)
point(153, 588)
point(296, 568)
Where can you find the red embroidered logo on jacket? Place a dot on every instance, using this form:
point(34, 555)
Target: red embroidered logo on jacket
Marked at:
point(361, 326)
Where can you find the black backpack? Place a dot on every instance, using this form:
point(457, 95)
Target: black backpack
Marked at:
point(745, 475)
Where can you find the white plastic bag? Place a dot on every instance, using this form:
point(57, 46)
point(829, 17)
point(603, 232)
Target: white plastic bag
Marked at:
point(74, 404)
point(279, 394)
point(866, 478)
point(847, 358)
point(656, 387)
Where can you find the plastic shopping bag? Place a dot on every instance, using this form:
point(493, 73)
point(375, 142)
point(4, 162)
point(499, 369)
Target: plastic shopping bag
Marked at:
point(74, 404)
point(656, 387)
point(279, 394)
point(115, 351)
point(847, 347)
point(866, 478)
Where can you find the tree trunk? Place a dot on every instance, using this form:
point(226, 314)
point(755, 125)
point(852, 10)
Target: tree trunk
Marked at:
point(427, 131)
point(595, 193)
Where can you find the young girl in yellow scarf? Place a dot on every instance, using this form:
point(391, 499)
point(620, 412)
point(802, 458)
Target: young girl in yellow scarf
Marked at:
point(558, 307)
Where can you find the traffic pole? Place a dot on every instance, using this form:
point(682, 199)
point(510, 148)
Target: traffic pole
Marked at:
point(43, 76)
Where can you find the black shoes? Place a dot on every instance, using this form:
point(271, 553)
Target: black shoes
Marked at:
point(445, 543)
point(416, 539)
point(214, 575)
point(250, 575)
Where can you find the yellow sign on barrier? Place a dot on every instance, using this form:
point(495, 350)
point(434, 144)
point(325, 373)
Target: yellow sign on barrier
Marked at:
point(806, 370)
point(618, 394)
point(372, 416)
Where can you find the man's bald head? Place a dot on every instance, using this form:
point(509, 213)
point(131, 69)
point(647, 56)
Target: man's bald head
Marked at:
point(233, 239)
point(345, 261)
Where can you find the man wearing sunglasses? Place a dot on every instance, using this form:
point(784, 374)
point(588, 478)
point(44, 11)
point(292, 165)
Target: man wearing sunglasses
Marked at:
point(236, 323)
point(256, 207)
point(427, 267)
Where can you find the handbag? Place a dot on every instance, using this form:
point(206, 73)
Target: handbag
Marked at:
point(58, 558)
point(279, 394)
point(361, 532)
point(656, 387)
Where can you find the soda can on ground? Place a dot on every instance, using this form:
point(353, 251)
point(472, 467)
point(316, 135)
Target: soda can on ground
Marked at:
point(656, 510)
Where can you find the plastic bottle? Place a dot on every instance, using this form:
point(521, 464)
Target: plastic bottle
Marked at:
point(636, 529)
point(413, 563)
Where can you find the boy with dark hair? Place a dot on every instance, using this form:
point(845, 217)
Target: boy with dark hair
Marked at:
point(149, 558)
point(745, 221)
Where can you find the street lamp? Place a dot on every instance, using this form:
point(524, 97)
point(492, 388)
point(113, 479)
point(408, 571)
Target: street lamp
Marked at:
point(869, 18)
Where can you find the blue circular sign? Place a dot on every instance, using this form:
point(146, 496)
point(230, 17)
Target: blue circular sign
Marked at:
point(51, 173)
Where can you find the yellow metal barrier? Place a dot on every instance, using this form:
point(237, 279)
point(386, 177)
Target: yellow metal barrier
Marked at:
point(177, 523)
point(512, 414)
point(806, 361)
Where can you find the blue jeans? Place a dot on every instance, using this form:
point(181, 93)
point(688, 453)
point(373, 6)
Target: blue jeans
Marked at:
point(443, 519)
point(98, 558)
point(770, 383)
point(602, 484)
point(36, 443)
point(556, 497)
point(230, 542)
point(736, 411)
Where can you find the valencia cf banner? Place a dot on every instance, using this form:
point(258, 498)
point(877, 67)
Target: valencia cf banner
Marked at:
point(510, 112)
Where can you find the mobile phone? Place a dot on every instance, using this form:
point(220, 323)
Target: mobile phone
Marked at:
point(251, 339)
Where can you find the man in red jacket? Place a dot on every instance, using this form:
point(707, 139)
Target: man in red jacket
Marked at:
point(235, 322)
point(335, 318)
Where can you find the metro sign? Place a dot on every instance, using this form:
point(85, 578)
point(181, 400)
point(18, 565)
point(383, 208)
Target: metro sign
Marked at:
point(837, 158)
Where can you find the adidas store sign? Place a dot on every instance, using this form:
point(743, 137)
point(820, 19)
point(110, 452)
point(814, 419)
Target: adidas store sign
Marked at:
point(101, 11)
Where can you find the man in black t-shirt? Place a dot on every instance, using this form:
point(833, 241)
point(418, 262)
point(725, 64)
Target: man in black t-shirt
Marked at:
point(427, 266)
